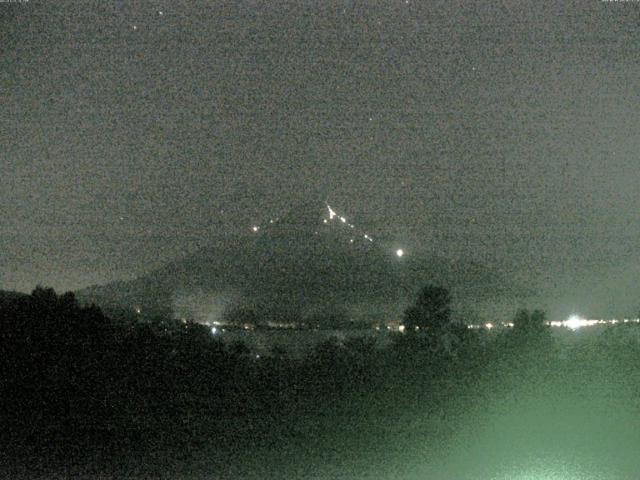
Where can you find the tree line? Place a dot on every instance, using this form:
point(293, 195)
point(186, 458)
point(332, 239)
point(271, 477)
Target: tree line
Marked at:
point(72, 377)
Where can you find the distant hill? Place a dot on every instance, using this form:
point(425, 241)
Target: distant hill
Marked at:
point(311, 263)
point(10, 295)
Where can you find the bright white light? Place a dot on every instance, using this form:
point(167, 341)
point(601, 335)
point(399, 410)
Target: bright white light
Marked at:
point(488, 326)
point(574, 322)
point(138, 310)
point(331, 213)
point(214, 330)
point(325, 221)
point(401, 328)
point(343, 220)
point(255, 228)
point(399, 252)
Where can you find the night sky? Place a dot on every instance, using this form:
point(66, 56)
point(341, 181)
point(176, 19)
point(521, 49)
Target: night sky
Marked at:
point(134, 132)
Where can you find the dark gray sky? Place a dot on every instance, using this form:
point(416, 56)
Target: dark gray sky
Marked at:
point(505, 131)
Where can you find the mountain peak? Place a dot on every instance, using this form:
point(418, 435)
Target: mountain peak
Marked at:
point(317, 216)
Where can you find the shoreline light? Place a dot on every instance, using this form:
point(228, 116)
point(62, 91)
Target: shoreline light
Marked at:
point(574, 322)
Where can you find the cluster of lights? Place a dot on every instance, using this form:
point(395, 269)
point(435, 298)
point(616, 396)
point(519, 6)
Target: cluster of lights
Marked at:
point(489, 325)
point(574, 322)
point(160, 14)
point(333, 214)
point(256, 228)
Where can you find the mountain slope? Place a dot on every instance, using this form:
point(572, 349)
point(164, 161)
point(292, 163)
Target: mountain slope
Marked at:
point(310, 262)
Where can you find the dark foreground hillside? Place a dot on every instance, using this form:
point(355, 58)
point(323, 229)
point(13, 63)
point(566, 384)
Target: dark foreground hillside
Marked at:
point(84, 396)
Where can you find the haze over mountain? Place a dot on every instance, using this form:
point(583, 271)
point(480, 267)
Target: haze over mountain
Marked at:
point(311, 263)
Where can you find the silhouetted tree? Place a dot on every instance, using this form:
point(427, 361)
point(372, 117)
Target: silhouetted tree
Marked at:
point(68, 302)
point(532, 340)
point(44, 296)
point(432, 310)
point(529, 321)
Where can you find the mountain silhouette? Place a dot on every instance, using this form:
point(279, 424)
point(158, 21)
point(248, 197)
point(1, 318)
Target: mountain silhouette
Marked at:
point(309, 263)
